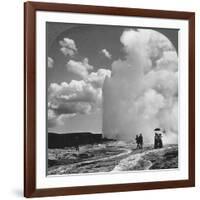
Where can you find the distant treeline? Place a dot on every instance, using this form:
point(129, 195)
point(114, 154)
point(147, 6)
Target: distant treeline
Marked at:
point(56, 140)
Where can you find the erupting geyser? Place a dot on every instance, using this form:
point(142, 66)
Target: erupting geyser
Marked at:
point(142, 92)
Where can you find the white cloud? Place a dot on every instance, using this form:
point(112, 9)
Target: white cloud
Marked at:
point(106, 53)
point(68, 47)
point(143, 89)
point(79, 68)
point(150, 44)
point(54, 119)
point(61, 118)
point(50, 62)
point(169, 61)
point(83, 96)
point(73, 92)
point(97, 78)
point(51, 114)
point(163, 81)
point(75, 97)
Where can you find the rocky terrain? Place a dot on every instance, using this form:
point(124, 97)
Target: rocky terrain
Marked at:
point(110, 156)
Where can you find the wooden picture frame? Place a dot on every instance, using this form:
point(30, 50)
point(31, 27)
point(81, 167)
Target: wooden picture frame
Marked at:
point(30, 9)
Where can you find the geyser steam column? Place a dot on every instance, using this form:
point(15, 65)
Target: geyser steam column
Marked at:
point(142, 92)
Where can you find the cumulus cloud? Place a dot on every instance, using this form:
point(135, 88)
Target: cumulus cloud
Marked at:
point(76, 94)
point(77, 97)
point(50, 62)
point(68, 47)
point(142, 92)
point(79, 68)
point(54, 119)
point(96, 79)
point(106, 53)
point(168, 61)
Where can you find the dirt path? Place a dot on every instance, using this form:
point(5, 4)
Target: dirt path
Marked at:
point(62, 169)
point(132, 161)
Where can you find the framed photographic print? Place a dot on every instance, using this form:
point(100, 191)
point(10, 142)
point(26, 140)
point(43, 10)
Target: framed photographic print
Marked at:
point(109, 99)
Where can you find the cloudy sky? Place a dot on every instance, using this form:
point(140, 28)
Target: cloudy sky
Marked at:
point(122, 80)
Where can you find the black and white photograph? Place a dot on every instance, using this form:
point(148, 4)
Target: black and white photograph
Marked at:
point(112, 98)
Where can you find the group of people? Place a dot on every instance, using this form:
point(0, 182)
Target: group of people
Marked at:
point(158, 143)
point(139, 141)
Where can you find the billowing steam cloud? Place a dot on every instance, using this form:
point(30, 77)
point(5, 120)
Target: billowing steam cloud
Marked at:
point(142, 93)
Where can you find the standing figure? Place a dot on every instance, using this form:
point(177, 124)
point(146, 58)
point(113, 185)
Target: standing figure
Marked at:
point(137, 141)
point(141, 141)
point(160, 140)
point(156, 141)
